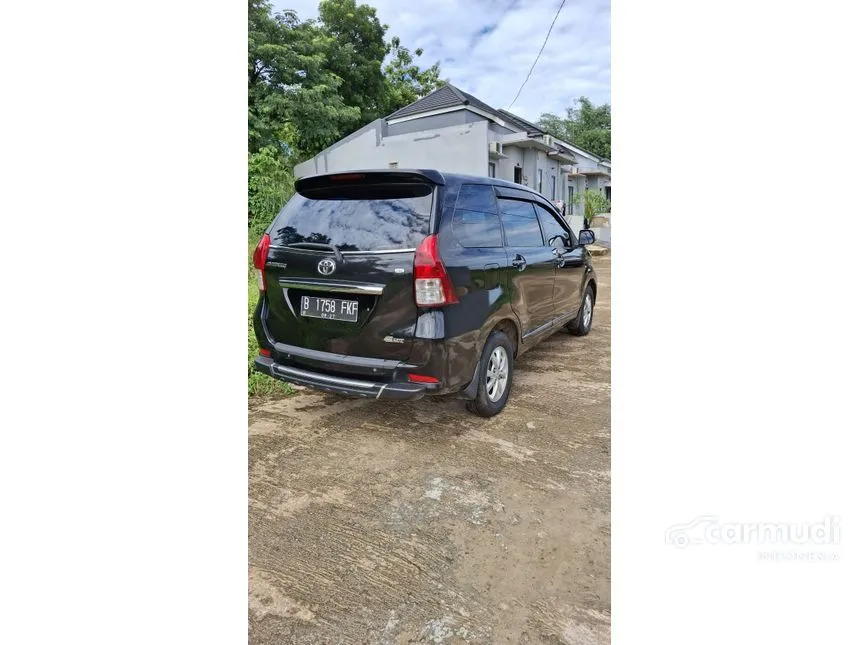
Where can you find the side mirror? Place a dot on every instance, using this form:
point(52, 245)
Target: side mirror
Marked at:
point(586, 237)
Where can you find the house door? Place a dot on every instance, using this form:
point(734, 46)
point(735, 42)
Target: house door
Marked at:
point(518, 175)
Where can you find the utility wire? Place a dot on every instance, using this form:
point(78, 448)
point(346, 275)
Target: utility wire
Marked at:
point(538, 56)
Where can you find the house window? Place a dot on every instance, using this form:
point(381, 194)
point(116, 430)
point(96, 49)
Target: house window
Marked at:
point(540, 180)
point(518, 175)
point(552, 187)
point(491, 171)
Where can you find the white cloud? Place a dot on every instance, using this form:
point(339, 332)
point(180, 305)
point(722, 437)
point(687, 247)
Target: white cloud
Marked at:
point(492, 65)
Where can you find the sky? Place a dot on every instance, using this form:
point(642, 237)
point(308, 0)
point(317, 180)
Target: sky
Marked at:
point(486, 47)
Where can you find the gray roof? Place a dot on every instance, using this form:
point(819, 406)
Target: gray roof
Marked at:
point(445, 97)
point(449, 96)
point(520, 122)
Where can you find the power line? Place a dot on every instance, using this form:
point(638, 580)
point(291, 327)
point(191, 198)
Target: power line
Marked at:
point(538, 56)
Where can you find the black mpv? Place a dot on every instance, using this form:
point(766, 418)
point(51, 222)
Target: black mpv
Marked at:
point(404, 283)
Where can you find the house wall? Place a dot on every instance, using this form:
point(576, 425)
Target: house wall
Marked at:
point(496, 129)
point(596, 182)
point(459, 149)
point(455, 141)
point(505, 167)
point(575, 221)
point(578, 184)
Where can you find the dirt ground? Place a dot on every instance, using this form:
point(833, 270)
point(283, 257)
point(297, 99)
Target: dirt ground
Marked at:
point(374, 522)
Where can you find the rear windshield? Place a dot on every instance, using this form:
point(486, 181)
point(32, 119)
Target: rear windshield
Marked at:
point(391, 219)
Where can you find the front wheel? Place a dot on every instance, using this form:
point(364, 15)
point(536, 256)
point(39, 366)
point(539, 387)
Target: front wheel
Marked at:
point(581, 325)
point(496, 370)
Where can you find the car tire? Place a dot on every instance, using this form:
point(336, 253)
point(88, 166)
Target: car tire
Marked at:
point(496, 359)
point(581, 325)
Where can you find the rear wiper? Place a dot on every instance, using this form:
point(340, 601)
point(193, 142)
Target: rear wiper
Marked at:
point(316, 245)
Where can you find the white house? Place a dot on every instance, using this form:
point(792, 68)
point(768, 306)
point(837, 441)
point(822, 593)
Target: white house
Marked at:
point(452, 131)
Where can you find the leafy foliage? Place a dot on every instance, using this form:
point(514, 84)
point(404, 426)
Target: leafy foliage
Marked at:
point(406, 81)
point(311, 83)
point(585, 125)
point(270, 185)
point(355, 50)
point(595, 203)
point(294, 101)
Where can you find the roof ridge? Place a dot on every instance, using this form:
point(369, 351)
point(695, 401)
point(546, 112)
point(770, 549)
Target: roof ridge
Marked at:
point(457, 92)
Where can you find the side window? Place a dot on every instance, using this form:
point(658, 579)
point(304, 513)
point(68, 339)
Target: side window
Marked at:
point(476, 222)
point(520, 223)
point(554, 233)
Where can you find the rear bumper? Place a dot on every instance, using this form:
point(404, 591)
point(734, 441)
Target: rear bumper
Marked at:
point(397, 390)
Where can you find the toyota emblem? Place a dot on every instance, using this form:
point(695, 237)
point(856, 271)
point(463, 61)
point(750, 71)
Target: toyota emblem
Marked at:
point(326, 267)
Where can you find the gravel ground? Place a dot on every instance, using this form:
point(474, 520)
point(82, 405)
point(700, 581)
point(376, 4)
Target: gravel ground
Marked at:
point(373, 522)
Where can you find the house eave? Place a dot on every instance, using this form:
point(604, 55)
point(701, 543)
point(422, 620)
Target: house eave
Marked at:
point(453, 108)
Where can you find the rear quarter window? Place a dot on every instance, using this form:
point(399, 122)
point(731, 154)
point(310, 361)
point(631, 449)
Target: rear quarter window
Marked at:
point(374, 218)
point(476, 221)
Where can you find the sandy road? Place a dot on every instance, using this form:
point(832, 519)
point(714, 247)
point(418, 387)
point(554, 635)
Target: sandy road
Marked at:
point(373, 522)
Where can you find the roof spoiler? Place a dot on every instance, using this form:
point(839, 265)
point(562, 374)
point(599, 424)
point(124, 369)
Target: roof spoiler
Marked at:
point(359, 177)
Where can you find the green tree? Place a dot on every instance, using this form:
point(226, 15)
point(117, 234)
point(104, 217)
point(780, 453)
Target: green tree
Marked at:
point(294, 102)
point(406, 82)
point(378, 77)
point(585, 125)
point(355, 51)
point(310, 83)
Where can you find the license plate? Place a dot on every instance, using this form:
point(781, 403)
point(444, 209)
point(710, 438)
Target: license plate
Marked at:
point(330, 308)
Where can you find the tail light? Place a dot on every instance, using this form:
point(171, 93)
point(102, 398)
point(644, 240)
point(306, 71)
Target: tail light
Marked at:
point(420, 378)
point(260, 255)
point(433, 287)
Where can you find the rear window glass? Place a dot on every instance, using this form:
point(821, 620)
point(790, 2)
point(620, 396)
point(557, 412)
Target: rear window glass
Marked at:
point(475, 222)
point(390, 220)
point(520, 222)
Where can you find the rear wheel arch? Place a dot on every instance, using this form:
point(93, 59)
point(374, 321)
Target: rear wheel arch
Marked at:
point(510, 328)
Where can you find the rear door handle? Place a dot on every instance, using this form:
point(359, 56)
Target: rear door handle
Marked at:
point(519, 262)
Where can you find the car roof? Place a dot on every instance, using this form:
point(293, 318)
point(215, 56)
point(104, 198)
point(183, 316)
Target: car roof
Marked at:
point(457, 179)
point(438, 177)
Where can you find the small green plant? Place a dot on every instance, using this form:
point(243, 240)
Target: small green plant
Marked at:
point(258, 384)
point(595, 203)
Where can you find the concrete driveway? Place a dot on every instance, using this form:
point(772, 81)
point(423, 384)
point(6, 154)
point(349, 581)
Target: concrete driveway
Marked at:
point(373, 522)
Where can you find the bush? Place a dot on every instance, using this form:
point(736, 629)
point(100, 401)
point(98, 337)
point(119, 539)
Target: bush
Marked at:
point(270, 185)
